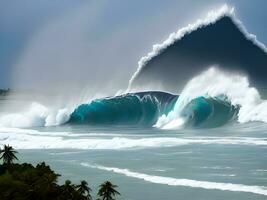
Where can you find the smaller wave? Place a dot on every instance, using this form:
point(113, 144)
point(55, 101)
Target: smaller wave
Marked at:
point(208, 112)
point(230, 94)
point(261, 190)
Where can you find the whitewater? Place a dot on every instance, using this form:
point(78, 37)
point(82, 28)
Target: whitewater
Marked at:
point(210, 99)
point(209, 141)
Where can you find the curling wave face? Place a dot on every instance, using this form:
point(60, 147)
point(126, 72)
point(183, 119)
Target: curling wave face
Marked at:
point(145, 109)
point(233, 92)
point(142, 108)
point(211, 99)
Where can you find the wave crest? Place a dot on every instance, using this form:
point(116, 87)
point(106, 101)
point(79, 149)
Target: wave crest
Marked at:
point(131, 109)
point(216, 84)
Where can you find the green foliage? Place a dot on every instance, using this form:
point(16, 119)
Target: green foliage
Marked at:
point(26, 182)
point(4, 92)
point(8, 154)
point(107, 191)
point(84, 189)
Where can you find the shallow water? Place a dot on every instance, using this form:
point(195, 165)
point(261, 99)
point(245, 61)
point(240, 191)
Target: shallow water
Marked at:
point(221, 163)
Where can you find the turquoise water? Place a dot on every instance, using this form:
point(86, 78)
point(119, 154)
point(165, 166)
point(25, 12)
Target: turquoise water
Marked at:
point(212, 156)
point(145, 108)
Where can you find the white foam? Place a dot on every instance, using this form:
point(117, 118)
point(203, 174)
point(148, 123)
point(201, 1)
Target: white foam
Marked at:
point(36, 115)
point(217, 167)
point(223, 175)
point(211, 18)
point(31, 139)
point(65, 153)
point(215, 83)
point(261, 170)
point(261, 190)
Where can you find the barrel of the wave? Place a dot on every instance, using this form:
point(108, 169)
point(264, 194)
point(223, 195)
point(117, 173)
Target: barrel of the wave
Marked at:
point(142, 108)
point(209, 112)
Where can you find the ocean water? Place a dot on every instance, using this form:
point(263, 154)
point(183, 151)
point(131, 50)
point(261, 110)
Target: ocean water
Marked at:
point(209, 142)
point(192, 123)
point(228, 162)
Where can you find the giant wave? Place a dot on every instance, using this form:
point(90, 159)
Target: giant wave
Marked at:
point(193, 62)
point(218, 39)
point(141, 108)
point(211, 99)
point(213, 83)
point(145, 108)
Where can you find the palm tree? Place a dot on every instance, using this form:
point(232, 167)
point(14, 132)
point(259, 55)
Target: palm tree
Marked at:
point(84, 190)
point(68, 190)
point(8, 155)
point(107, 191)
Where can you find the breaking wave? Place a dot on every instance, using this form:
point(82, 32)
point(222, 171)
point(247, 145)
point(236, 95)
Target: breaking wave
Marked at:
point(211, 99)
point(142, 108)
point(233, 92)
point(146, 108)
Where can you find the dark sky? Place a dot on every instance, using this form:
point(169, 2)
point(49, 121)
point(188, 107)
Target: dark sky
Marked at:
point(57, 43)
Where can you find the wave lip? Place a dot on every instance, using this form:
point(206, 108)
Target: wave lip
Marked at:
point(141, 108)
point(261, 190)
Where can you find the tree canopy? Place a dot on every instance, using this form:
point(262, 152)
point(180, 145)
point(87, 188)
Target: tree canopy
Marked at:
point(26, 182)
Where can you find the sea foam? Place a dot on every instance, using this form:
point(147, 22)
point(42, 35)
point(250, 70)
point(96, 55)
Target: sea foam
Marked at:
point(32, 139)
point(214, 83)
point(261, 190)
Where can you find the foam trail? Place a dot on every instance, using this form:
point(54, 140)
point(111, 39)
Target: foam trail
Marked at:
point(217, 84)
point(261, 190)
point(211, 18)
point(31, 139)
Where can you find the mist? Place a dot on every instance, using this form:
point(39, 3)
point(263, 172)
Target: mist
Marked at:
point(85, 48)
point(91, 46)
